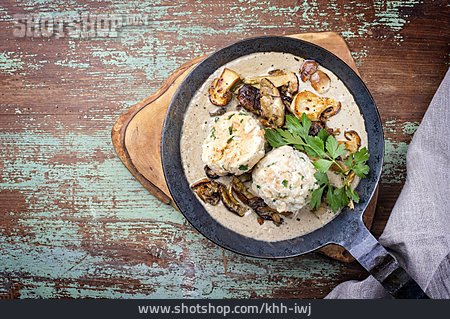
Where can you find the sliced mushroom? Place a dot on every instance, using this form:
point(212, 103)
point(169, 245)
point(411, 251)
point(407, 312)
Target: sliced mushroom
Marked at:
point(207, 190)
point(330, 111)
point(287, 81)
point(240, 190)
point(218, 111)
point(257, 204)
point(315, 107)
point(315, 128)
point(287, 100)
point(333, 131)
point(264, 211)
point(272, 106)
point(308, 68)
point(248, 97)
point(209, 172)
point(220, 90)
point(320, 81)
point(353, 141)
point(231, 203)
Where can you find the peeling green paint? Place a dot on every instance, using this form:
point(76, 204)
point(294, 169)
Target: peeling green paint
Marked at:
point(359, 56)
point(394, 170)
point(389, 126)
point(72, 64)
point(10, 63)
point(410, 128)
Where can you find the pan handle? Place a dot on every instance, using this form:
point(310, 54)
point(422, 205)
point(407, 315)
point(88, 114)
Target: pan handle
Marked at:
point(383, 266)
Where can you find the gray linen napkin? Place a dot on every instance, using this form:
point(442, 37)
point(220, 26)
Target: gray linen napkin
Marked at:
point(418, 230)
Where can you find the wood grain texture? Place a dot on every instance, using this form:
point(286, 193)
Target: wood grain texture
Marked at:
point(136, 135)
point(68, 228)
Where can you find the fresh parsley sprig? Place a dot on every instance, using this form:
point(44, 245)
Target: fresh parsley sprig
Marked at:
point(326, 153)
point(336, 197)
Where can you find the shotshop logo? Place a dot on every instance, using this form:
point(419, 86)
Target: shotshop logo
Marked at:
point(74, 25)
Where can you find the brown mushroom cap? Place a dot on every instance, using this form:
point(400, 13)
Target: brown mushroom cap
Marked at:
point(218, 111)
point(248, 96)
point(231, 203)
point(315, 107)
point(207, 190)
point(257, 204)
point(220, 89)
point(272, 106)
point(330, 111)
point(320, 81)
point(353, 142)
point(209, 172)
point(286, 80)
point(241, 191)
point(307, 69)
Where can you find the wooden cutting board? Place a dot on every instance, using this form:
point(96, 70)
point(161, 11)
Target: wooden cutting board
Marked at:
point(136, 135)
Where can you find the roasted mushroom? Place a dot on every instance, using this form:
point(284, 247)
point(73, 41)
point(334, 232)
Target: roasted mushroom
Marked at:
point(308, 68)
point(218, 111)
point(248, 97)
point(220, 90)
point(272, 106)
point(258, 205)
point(320, 81)
point(315, 107)
point(353, 141)
point(315, 128)
point(330, 111)
point(265, 212)
point(209, 172)
point(285, 80)
point(231, 203)
point(240, 190)
point(207, 190)
point(287, 100)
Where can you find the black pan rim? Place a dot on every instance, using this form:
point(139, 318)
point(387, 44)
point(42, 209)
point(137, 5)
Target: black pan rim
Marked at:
point(224, 237)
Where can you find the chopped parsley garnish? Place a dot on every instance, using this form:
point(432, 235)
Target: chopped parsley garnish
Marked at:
point(230, 129)
point(213, 133)
point(231, 115)
point(243, 167)
point(285, 183)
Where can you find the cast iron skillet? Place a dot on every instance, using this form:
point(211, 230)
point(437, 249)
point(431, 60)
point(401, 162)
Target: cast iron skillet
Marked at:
point(347, 229)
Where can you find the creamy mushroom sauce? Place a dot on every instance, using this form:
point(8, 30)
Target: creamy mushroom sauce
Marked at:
point(196, 127)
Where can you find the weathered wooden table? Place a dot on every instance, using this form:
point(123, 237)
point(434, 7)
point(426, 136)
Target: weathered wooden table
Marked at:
point(73, 221)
